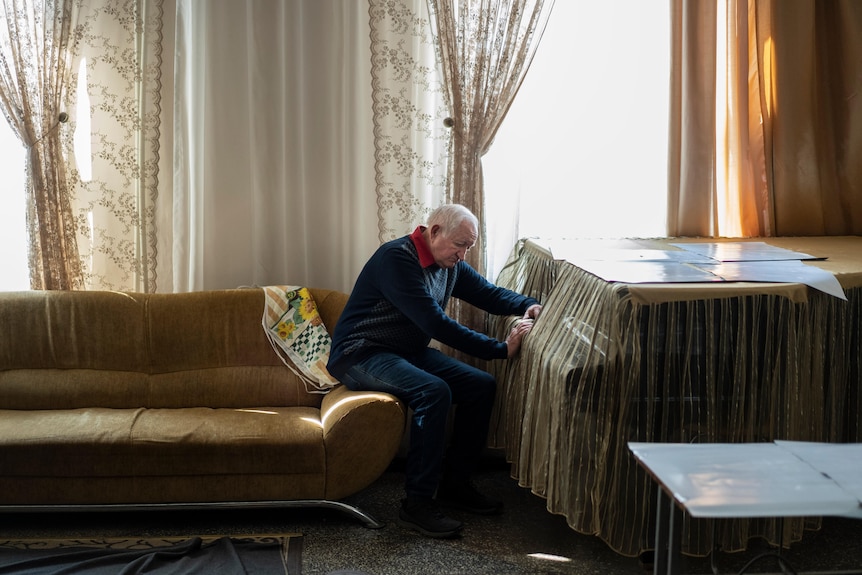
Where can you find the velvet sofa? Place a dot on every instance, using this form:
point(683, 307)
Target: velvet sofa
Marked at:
point(124, 400)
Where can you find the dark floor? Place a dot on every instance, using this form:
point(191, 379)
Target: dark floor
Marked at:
point(524, 540)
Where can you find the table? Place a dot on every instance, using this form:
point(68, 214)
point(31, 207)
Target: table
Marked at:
point(610, 363)
point(779, 479)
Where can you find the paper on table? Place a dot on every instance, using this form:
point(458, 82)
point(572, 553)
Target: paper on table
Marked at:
point(574, 254)
point(743, 251)
point(787, 271)
point(646, 271)
point(702, 262)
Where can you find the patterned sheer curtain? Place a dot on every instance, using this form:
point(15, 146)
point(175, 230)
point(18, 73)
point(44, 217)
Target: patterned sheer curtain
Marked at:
point(35, 65)
point(411, 141)
point(486, 47)
point(765, 122)
point(113, 141)
point(92, 177)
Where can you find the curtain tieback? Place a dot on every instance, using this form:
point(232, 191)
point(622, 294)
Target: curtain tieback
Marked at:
point(62, 118)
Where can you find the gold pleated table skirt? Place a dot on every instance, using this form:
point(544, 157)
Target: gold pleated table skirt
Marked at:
point(608, 363)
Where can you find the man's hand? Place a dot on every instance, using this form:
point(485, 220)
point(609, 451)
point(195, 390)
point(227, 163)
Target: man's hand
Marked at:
point(513, 342)
point(533, 311)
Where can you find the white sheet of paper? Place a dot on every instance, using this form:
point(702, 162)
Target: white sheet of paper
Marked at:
point(697, 262)
point(573, 253)
point(743, 251)
point(784, 271)
point(634, 272)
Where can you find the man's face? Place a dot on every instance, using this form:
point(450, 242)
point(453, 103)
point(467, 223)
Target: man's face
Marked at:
point(450, 249)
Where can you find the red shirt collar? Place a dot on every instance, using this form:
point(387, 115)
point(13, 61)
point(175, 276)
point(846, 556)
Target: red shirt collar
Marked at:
point(425, 257)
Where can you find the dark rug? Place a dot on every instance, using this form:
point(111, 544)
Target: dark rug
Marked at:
point(279, 554)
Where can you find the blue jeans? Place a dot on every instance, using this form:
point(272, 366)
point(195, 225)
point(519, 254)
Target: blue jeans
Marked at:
point(429, 383)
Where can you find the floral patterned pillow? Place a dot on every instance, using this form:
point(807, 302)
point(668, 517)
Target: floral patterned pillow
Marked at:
point(297, 334)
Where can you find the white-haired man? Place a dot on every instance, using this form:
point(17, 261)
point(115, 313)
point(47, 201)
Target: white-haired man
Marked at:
point(381, 343)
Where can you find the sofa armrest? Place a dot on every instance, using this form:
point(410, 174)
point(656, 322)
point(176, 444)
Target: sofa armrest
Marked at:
point(362, 432)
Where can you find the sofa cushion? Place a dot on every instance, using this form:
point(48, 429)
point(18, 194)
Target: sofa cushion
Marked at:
point(95, 442)
point(217, 387)
point(122, 350)
point(65, 330)
point(200, 330)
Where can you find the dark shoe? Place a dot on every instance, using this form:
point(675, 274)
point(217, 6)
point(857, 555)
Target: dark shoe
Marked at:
point(462, 495)
point(423, 516)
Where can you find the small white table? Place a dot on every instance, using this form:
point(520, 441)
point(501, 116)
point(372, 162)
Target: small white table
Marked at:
point(726, 480)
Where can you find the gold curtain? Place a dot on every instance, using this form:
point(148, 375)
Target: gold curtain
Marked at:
point(765, 122)
point(812, 52)
point(35, 65)
point(486, 47)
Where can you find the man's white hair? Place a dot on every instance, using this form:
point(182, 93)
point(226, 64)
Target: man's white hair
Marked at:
point(450, 216)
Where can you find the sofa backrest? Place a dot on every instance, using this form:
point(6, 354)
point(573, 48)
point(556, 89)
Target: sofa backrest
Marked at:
point(74, 349)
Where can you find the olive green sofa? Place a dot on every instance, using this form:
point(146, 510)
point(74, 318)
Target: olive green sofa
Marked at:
point(126, 400)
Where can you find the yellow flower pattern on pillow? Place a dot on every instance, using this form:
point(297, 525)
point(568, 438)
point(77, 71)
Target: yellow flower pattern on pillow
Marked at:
point(297, 334)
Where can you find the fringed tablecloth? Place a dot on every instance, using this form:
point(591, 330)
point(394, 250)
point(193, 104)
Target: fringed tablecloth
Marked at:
point(608, 363)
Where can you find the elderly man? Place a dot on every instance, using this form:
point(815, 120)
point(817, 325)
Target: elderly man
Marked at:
point(381, 343)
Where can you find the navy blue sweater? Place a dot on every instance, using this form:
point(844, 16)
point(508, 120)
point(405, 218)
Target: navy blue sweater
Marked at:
point(398, 306)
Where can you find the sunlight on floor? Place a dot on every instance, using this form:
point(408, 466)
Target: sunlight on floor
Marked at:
point(549, 557)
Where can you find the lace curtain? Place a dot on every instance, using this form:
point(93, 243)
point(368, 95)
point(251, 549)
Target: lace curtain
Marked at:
point(118, 57)
point(486, 47)
point(90, 222)
point(35, 66)
point(411, 141)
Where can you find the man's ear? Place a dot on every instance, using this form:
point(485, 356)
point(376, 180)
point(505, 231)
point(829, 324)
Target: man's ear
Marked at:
point(435, 229)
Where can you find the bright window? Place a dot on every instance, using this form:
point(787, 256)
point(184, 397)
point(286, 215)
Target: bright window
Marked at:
point(14, 274)
point(14, 270)
point(583, 150)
